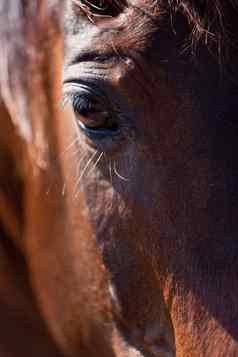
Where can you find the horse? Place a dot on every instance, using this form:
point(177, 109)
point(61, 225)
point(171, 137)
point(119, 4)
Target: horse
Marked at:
point(118, 207)
point(153, 90)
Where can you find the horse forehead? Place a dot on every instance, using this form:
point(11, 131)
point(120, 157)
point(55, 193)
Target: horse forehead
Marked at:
point(136, 19)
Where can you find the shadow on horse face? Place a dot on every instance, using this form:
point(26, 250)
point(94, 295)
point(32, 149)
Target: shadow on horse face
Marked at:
point(156, 132)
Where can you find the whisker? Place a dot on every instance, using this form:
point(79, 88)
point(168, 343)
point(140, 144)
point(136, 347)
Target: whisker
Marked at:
point(117, 173)
point(56, 159)
point(83, 172)
point(69, 147)
point(75, 176)
point(63, 189)
point(74, 152)
point(96, 163)
point(78, 167)
point(110, 170)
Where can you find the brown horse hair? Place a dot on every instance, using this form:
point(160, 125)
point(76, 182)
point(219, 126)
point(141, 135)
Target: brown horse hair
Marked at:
point(212, 22)
point(22, 33)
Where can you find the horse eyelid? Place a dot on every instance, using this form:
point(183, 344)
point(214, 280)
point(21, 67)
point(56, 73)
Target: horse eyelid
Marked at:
point(72, 99)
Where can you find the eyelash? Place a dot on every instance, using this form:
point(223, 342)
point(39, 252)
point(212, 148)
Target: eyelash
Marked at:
point(75, 100)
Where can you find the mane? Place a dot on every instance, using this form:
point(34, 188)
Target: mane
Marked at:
point(25, 28)
point(21, 32)
point(212, 21)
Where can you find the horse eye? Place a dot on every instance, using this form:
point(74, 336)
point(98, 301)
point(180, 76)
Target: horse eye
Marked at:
point(104, 8)
point(91, 117)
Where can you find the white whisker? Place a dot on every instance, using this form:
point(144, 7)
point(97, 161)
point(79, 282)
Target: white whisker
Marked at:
point(75, 176)
point(110, 171)
point(83, 172)
point(78, 167)
point(69, 147)
point(117, 173)
point(75, 152)
point(96, 163)
point(63, 189)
